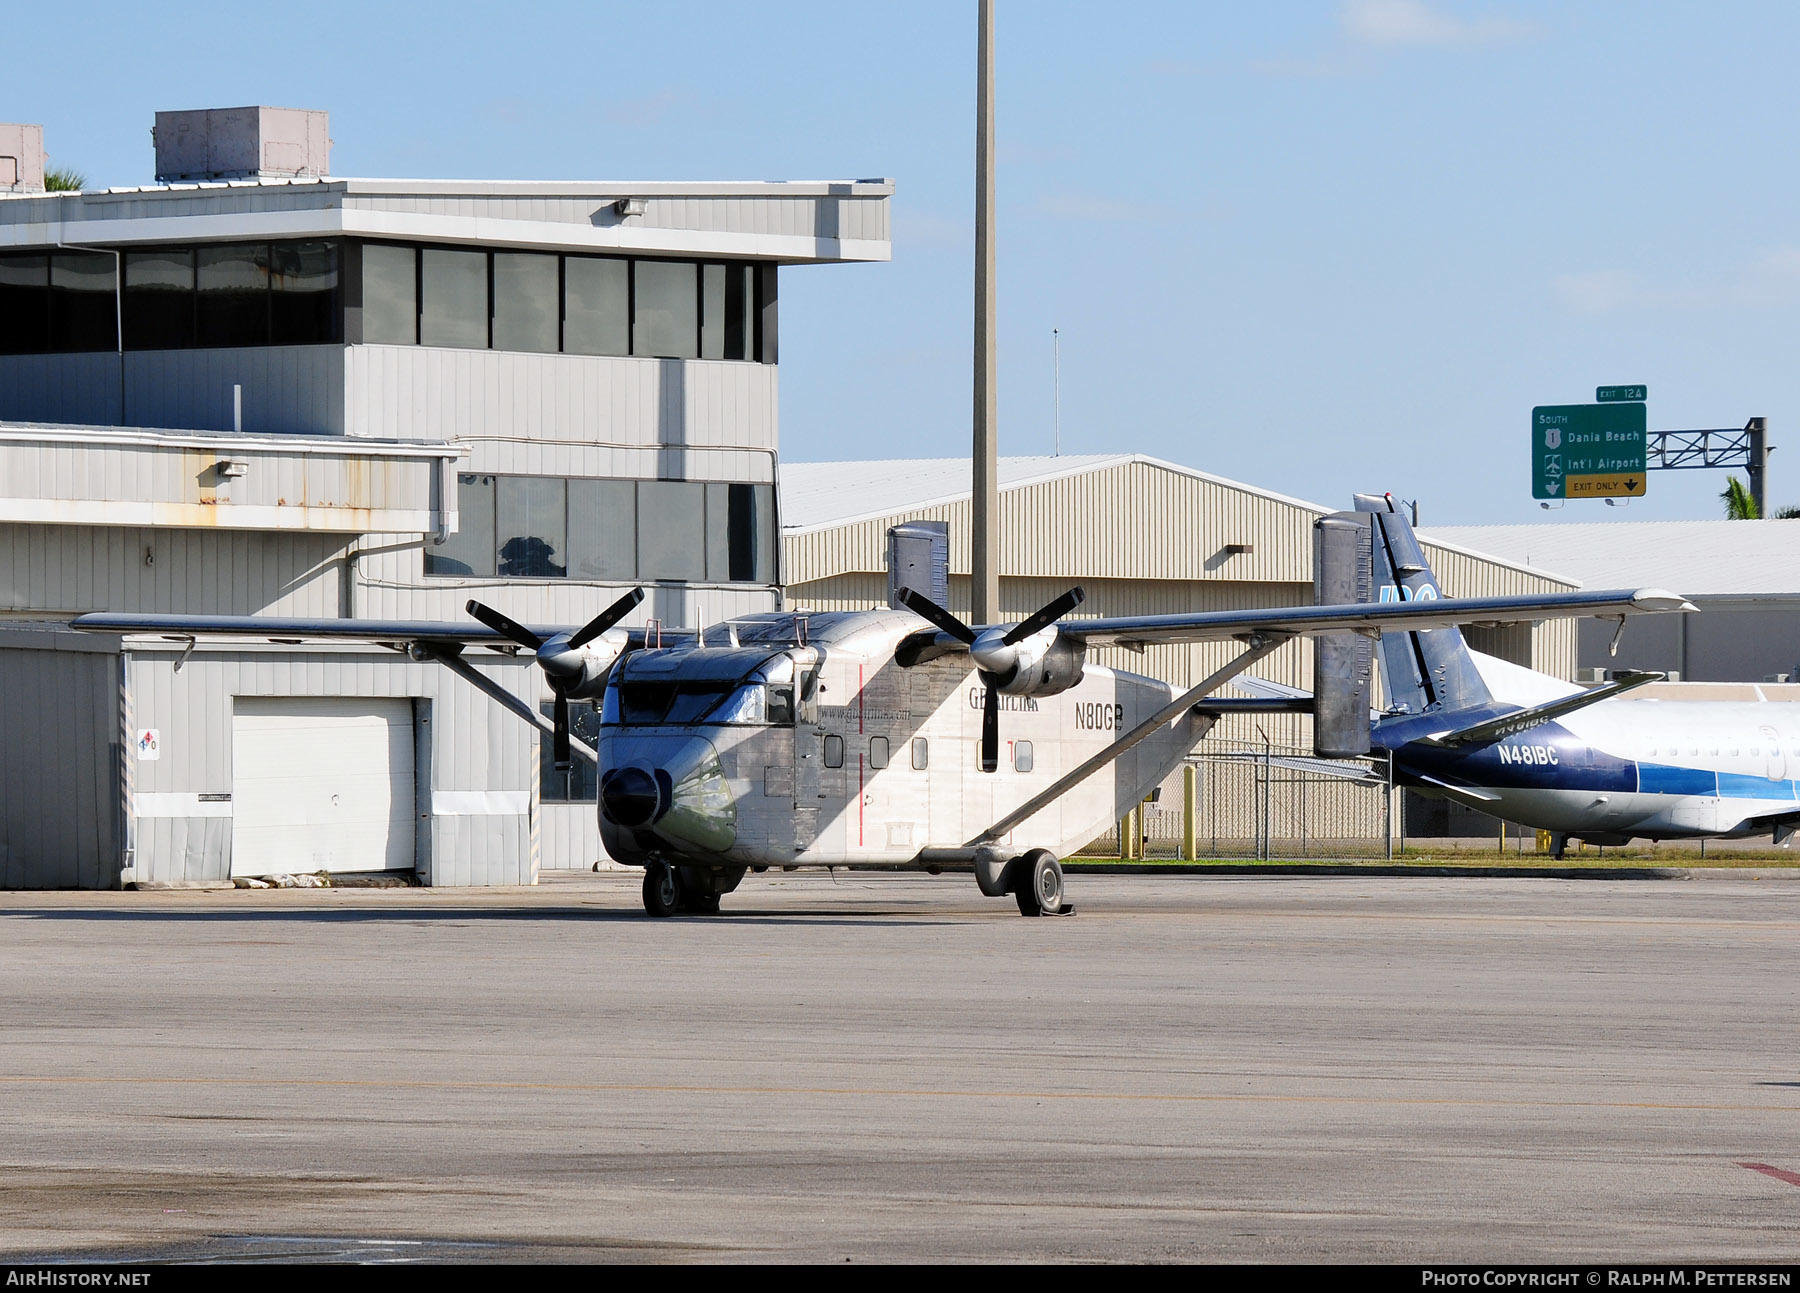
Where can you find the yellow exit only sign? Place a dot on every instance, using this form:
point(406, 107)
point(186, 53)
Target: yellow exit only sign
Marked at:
point(1621, 484)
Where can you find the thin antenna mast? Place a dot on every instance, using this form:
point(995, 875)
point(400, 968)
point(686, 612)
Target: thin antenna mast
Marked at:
point(984, 545)
point(1056, 347)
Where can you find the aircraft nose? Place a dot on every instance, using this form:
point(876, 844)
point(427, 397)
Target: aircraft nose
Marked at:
point(630, 797)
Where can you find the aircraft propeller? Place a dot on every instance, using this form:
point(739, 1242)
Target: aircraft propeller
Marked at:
point(562, 658)
point(998, 652)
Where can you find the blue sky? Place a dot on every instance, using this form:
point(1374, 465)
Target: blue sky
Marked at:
point(1319, 246)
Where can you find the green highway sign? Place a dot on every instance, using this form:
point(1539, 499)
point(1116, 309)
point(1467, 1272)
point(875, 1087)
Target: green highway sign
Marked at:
point(1588, 450)
point(1618, 394)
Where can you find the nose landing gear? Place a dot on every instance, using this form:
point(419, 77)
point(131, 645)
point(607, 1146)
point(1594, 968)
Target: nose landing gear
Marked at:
point(662, 890)
point(694, 890)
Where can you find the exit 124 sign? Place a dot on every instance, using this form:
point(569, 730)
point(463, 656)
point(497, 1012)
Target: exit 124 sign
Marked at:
point(1588, 450)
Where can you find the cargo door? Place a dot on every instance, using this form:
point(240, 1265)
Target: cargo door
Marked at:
point(321, 784)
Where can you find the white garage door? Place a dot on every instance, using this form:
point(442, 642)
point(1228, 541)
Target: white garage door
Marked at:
point(321, 784)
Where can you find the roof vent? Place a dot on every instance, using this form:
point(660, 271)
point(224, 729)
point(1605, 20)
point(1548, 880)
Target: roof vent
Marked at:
point(242, 144)
point(21, 159)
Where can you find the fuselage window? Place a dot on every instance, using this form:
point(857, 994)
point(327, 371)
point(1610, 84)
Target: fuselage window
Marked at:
point(878, 752)
point(834, 751)
point(921, 754)
point(1022, 756)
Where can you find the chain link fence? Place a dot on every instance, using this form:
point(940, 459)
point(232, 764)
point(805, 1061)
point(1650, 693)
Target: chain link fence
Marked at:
point(1243, 800)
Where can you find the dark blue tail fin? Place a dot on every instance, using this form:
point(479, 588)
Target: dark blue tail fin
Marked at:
point(1429, 669)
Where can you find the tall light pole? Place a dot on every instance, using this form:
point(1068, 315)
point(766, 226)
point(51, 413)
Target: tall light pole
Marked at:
point(984, 536)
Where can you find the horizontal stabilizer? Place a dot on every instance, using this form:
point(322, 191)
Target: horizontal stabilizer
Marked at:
point(1341, 769)
point(1264, 689)
point(1256, 705)
point(1471, 792)
point(1267, 689)
point(1525, 719)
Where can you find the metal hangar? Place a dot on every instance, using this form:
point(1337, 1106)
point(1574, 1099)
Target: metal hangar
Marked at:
point(1143, 536)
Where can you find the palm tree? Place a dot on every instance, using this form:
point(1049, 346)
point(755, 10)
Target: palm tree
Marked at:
point(63, 179)
point(1740, 505)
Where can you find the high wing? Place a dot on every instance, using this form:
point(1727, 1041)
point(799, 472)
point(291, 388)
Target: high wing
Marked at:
point(1309, 621)
point(1261, 631)
point(397, 633)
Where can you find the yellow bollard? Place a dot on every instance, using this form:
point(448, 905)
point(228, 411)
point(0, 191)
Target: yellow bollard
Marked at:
point(1190, 813)
point(1543, 841)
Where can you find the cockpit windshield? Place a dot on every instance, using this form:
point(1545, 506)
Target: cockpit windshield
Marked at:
point(665, 701)
point(711, 686)
point(766, 697)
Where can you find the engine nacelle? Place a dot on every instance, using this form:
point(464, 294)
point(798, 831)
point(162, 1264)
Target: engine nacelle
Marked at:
point(1048, 662)
point(583, 670)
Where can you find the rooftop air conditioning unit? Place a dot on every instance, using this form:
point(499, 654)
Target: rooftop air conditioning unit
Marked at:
point(242, 144)
point(21, 159)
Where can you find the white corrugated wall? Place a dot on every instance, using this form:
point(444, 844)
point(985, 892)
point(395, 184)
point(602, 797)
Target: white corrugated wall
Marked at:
point(480, 759)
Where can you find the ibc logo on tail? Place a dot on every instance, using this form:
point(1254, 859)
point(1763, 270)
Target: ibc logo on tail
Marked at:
point(1401, 593)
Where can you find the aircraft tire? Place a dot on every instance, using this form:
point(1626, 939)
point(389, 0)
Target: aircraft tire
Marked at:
point(662, 890)
point(1038, 883)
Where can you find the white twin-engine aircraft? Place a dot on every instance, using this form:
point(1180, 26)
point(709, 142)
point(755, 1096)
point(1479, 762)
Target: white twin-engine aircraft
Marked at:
point(870, 739)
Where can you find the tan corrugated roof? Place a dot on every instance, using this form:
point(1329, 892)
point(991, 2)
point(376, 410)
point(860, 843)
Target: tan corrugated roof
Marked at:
point(815, 495)
point(819, 496)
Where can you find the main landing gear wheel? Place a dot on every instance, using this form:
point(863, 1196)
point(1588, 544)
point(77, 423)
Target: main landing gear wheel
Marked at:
point(662, 890)
point(1038, 884)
